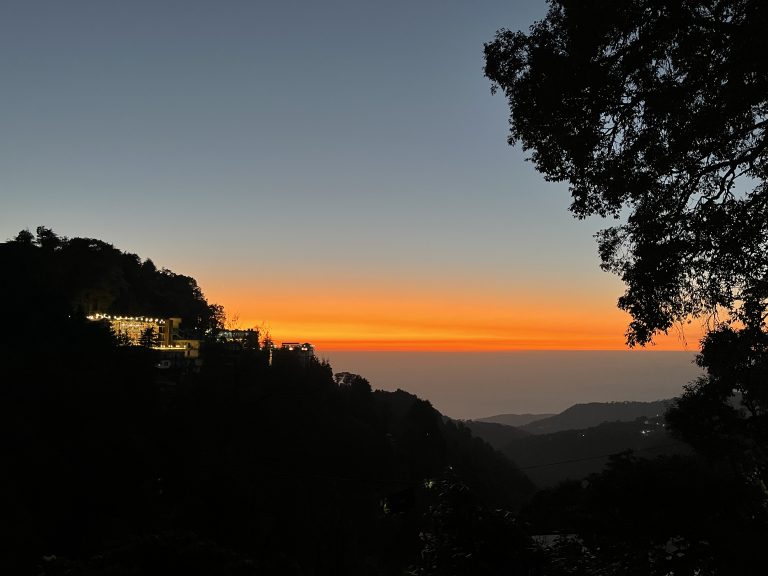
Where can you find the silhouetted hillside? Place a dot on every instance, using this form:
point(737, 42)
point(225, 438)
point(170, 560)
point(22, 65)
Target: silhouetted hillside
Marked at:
point(47, 278)
point(259, 463)
point(573, 454)
point(497, 435)
point(513, 419)
point(245, 465)
point(595, 413)
point(414, 426)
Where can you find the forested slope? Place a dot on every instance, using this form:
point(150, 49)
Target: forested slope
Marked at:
point(248, 465)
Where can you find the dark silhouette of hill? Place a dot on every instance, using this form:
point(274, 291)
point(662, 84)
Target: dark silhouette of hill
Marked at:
point(47, 278)
point(594, 413)
point(574, 454)
point(257, 466)
point(549, 458)
point(245, 466)
point(513, 419)
point(497, 435)
point(444, 441)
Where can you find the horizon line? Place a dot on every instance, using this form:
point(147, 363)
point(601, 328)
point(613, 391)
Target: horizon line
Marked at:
point(481, 347)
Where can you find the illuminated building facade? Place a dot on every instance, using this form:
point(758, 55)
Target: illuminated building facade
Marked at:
point(248, 338)
point(160, 333)
point(163, 334)
point(306, 348)
point(305, 351)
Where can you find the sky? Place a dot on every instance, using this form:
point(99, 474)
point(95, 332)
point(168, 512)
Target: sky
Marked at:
point(334, 172)
point(469, 385)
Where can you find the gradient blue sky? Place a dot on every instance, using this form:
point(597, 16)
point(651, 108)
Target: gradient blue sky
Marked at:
point(336, 170)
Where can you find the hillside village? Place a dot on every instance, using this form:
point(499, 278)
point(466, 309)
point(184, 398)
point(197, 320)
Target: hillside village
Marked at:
point(166, 337)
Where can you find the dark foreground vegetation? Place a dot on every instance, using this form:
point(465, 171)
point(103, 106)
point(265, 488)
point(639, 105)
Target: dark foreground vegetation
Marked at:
point(247, 466)
point(549, 459)
point(655, 113)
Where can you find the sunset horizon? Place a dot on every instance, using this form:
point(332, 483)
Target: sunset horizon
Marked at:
point(393, 288)
point(423, 324)
point(365, 343)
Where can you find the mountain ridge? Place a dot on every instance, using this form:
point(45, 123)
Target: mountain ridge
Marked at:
point(516, 420)
point(580, 415)
point(588, 415)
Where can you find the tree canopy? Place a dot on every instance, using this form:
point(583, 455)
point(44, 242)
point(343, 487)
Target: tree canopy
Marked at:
point(655, 113)
point(55, 277)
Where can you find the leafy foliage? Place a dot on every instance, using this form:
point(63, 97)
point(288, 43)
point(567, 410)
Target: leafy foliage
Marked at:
point(51, 277)
point(656, 112)
point(724, 414)
point(671, 515)
point(464, 538)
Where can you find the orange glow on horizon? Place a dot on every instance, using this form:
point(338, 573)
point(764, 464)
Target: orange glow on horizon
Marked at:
point(334, 319)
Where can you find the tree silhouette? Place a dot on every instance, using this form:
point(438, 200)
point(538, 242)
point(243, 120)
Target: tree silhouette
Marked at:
point(658, 112)
point(148, 338)
point(462, 537)
point(87, 275)
point(25, 237)
point(672, 515)
point(46, 238)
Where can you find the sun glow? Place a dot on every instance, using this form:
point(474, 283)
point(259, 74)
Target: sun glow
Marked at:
point(335, 319)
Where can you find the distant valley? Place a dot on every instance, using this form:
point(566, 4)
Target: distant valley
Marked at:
point(514, 419)
point(579, 440)
point(595, 413)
